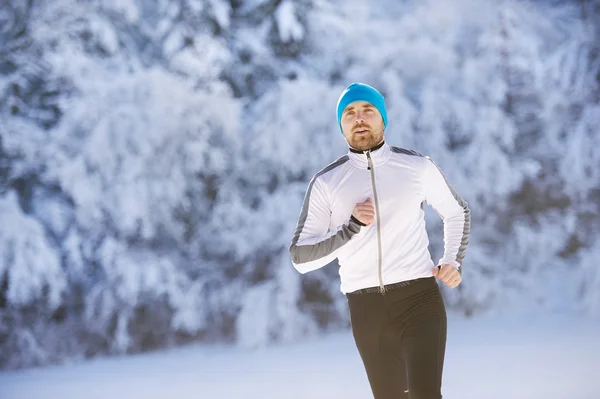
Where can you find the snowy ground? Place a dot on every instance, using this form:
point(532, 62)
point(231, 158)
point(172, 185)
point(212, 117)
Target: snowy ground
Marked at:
point(547, 358)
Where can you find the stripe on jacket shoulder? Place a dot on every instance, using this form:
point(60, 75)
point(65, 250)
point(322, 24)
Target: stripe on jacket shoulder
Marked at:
point(399, 150)
point(341, 160)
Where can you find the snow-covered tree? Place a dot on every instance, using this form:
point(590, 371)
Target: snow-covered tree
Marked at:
point(154, 158)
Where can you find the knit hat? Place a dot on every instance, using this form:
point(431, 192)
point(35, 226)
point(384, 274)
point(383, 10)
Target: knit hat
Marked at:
point(361, 92)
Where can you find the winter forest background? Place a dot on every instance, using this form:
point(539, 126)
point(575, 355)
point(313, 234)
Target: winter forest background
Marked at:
point(154, 156)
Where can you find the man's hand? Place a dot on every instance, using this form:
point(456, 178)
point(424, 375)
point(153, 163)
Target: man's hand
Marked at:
point(448, 274)
point(364, 212)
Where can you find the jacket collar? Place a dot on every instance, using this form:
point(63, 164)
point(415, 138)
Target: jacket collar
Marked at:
point(379, 155)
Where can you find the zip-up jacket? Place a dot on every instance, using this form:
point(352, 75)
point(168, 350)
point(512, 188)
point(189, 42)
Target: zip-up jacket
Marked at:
point(394, 247)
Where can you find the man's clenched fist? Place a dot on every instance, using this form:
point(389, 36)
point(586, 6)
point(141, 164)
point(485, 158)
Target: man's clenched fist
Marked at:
point(364, 212)
point(448, 275)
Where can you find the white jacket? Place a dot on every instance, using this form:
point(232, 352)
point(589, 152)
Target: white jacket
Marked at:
point(395, 247)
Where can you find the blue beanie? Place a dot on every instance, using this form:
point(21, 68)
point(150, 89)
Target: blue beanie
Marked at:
point(361, 92)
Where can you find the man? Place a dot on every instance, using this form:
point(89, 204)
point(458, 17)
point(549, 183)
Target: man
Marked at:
point(366, 210)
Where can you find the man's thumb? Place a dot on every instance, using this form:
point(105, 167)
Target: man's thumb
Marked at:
point(435, 271)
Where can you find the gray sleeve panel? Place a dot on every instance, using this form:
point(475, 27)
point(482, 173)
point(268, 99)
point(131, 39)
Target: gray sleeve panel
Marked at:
point(404, 151)
point(460, 256)
point(307, 253)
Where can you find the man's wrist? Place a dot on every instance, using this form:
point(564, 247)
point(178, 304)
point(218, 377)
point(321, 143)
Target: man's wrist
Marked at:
point(355, 220)
point(455, 265)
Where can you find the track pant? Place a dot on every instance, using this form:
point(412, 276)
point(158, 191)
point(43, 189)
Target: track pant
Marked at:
point(401, 338)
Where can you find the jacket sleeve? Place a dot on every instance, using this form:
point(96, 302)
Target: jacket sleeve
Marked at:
point(453, 210)
point(314, 244)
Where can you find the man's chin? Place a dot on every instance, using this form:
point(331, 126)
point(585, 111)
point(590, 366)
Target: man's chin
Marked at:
point(362, 145)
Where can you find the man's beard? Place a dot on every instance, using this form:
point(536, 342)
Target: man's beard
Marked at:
point(365, 142)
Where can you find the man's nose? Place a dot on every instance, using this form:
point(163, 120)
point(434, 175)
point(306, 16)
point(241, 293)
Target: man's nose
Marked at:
point(359, 117)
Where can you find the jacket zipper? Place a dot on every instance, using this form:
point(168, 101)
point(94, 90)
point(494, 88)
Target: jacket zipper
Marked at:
point(379, 267)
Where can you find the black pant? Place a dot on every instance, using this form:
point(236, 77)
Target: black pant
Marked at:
point(401, 338)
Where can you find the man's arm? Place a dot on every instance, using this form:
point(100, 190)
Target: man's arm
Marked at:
point(453, 210)
point(314, 245)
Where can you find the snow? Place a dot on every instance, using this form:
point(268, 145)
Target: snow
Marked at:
point(221, 12)
point(287, 23)
point(35, 263)
point(550, 357)
point(127, 8)
point(150, 159)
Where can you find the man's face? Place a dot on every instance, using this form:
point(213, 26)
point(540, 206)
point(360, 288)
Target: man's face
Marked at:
point(362, 125)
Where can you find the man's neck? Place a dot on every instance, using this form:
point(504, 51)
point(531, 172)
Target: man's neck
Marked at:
point(376, 147)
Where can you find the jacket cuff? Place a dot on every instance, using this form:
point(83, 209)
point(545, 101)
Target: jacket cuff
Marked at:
point(355, 220)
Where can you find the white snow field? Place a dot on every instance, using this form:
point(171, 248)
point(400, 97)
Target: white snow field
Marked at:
point(549, 357)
